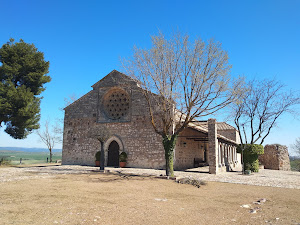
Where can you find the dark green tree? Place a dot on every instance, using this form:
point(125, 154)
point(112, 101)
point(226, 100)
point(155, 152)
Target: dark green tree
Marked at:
point(23, 72)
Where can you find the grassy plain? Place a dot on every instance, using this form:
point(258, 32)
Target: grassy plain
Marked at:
point(13, 157)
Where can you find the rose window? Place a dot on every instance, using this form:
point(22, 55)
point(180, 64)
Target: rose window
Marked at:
point(116, 104)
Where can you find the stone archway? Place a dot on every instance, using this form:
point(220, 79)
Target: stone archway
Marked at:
point(117, 141)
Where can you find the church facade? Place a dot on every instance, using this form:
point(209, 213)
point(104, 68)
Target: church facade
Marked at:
point(117, 102)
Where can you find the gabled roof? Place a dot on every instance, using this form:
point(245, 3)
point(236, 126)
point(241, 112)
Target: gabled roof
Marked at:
point(114, 75)
point(201, 126)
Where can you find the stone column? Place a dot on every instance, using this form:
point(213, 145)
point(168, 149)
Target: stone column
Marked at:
point(213, 146)
point(207, 153)
point(222, 154)
point(235, 155)
point(229, 155)
point(232, 155)
point(219, 154)
point(226, 155)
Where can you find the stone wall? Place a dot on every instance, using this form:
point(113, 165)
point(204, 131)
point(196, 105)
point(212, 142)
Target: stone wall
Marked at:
point(133, 131)
point(131, 128)
point(142, 145)
point(188, 149)
point(275, 157)
point(230, 134)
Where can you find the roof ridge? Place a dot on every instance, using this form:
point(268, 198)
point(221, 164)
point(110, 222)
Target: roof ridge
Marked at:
point(113, 71)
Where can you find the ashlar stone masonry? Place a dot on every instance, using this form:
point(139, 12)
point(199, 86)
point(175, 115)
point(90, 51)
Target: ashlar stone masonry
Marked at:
point(117, 102)
point(275, 157)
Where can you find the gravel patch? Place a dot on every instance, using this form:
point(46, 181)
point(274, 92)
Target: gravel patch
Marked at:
point(272, 178)
point(24, 173)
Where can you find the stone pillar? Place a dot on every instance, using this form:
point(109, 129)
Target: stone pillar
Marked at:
point(222, 154)
point(229, 155)
point(235, 155)
point(207, 153)
point(232, 154)
point(226, 155)
point(219, 154)
point(213, 146)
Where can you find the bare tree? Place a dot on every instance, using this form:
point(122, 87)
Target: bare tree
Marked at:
point(69, 100)
point(58, 128)
point(182, 81)
point(48, 138)
point(296, 146)
point(257, 112)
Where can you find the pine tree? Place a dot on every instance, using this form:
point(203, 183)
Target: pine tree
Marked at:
point(22, 76)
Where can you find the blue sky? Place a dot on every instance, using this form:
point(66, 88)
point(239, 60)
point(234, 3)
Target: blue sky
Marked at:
point(84, 40)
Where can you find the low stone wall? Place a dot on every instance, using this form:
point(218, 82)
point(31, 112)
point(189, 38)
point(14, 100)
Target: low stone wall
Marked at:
point(275, 157)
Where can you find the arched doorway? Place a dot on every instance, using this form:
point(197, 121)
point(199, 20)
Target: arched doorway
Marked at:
point(113, 154)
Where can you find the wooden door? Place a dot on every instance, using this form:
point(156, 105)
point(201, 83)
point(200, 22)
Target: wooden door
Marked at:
point(113, 154)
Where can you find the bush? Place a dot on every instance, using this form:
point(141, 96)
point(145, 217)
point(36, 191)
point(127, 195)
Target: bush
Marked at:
point(295, 164)
point(98, 156)
point(251, 153)
point(4, 161)
point(123, 157)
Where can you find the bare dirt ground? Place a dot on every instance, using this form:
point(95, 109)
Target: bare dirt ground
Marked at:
point(62, 195)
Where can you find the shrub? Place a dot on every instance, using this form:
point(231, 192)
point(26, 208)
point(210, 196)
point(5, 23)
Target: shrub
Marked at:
point(123, 157)
point(251, 153)
point(4, 161)
point(98, 156)
point(295, 164)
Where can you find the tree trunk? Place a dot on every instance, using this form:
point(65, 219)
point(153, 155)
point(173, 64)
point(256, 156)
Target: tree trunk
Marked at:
point(102, 160)
point(50, 155)
point(243, 165)
point(242, 158)
point(169, 143)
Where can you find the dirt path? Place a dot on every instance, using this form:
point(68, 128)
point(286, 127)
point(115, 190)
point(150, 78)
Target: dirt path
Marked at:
point(92, 198)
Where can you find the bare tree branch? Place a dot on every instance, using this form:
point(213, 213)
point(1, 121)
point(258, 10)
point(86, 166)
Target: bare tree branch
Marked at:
point(260, 107)
point(296, 146)
point(48, 137)
point(182, 81)
point(190, 77)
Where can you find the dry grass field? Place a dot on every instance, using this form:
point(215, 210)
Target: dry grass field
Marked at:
point(97, 198)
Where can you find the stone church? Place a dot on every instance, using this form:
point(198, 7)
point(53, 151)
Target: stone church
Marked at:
point(117, 102)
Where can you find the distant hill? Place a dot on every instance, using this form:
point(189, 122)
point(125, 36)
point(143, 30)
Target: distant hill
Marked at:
point(29, 149)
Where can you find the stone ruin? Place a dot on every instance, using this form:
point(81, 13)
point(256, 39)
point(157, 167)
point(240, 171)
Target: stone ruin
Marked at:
point(275, 157)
